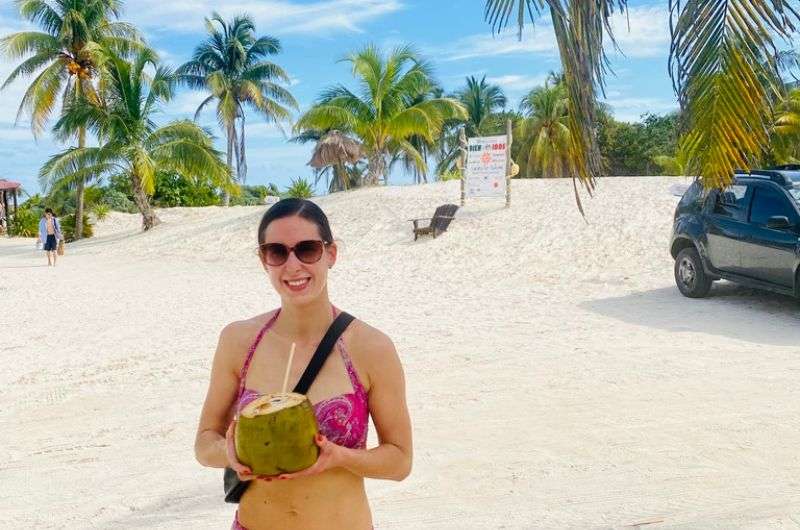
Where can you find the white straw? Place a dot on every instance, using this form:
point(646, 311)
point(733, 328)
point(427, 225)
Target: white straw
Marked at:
point(288, 368)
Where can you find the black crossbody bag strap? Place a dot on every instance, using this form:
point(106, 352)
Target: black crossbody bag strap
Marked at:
point(235, 488)
point(323, 350)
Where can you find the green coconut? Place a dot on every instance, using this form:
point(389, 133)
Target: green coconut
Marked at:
point(275, 434)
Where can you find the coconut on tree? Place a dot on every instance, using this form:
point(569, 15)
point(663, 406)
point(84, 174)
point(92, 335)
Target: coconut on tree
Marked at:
point(386, 112)
point(131, 144)
point(232, 65)
point(63, 59)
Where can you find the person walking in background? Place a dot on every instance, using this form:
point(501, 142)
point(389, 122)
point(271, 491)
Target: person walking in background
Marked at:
point(50, 234)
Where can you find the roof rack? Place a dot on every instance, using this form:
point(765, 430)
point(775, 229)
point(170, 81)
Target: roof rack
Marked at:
point(786, 167)
point(768, 174)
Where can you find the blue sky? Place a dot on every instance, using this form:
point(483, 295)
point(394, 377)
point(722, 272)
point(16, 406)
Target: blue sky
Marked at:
point(316, 34)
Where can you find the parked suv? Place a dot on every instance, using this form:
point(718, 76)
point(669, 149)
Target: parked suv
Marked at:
point(748, 233)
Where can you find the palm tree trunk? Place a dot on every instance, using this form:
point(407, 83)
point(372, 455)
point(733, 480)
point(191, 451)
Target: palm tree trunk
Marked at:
point(376, 167)
point(149, 217)
point(79, 192)
point(241, 157)
point(226, 197)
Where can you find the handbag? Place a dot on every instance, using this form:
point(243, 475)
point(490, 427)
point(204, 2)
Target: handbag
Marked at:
point(235, 488)
point(60, 247)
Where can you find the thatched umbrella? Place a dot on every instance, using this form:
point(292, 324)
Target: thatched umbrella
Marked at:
point(336, 149)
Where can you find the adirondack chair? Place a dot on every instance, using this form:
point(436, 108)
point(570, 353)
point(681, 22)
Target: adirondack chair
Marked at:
point(438, 223)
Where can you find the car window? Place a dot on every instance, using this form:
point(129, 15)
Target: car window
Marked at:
point(732, 202)
point(795, 191)
point(769, 203)
point(693, 196)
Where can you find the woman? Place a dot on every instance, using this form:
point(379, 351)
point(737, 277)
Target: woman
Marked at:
point(50, 235)
point(362, 376)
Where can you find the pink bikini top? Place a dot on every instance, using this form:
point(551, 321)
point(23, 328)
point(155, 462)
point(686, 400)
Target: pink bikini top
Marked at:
point(342, 419)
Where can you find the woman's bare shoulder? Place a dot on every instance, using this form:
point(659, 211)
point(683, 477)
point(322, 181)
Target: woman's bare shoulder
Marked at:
point(369, 345)
point(236, 337)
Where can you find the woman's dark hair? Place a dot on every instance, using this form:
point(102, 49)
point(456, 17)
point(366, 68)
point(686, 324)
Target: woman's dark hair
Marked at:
point(301, 208)
point(49, 210)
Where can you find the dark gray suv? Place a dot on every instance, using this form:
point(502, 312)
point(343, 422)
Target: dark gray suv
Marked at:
point(748, 233)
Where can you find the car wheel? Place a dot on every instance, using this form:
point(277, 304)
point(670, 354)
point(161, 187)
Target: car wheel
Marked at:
point(690, 276)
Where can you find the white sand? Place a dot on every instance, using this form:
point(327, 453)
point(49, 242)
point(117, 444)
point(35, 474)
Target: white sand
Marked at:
point(556, 377)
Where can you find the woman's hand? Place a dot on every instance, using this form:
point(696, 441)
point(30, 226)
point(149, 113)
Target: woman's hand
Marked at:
point(330, 456)
point(244, 472)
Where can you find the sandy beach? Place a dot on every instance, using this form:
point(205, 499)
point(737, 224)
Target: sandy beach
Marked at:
point(556, 377)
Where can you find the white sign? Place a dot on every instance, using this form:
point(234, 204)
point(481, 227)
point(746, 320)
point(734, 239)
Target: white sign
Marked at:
point(486, 167)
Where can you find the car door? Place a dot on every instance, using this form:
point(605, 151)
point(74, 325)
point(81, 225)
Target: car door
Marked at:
point(726, 227)
point(771, 254)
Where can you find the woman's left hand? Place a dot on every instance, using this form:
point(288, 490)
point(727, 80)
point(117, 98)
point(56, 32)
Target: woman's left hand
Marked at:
point(330, 456)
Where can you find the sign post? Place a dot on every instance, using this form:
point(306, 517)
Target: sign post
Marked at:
point(509, 139)
point(488, 162)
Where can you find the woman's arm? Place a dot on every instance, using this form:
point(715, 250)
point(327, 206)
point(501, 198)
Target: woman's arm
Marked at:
point(387, 404)
point(209, 445)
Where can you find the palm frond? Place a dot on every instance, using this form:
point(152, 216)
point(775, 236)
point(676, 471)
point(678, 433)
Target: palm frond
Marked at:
point(580, 29)
point(722, 64)
point(23, 43)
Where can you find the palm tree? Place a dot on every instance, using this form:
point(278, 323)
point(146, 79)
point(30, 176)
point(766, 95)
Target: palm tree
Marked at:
point(787, 129)
point(544, 135)
point(483, 102)
point(64, 54)
point(721, 61)
point(387, 111)
point(132, 144)
point(230, 64)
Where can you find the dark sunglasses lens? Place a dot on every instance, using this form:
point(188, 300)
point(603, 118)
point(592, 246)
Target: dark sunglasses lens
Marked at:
point(275, 254)
point(308, 251)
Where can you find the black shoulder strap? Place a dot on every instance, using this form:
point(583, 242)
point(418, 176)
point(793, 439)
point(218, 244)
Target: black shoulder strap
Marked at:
point(323, 350)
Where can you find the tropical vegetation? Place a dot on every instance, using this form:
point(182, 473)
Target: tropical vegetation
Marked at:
point(64, 58)
point(231, 64)
point(393, 104)
point(93, 79)
point(131, 143)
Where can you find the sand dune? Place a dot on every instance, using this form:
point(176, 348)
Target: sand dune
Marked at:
point(556, 377)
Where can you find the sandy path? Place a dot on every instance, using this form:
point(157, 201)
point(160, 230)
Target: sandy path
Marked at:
point(556, 378)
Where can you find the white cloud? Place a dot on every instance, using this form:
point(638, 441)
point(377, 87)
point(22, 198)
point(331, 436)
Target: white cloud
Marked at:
point(648, 36)
point(271, 16)
point(517, 83)
point(632, 108)
point(541, 41)
point(185, 104)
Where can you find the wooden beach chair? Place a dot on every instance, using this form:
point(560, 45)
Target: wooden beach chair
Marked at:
point(438, 223)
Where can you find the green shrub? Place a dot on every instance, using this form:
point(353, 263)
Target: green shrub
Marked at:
point(26, 222)
point(172, 189)
point(68, 227)
point(453, 174)
point(100, 211)
point(118, 201)
point(250, 196)
point(300, 189)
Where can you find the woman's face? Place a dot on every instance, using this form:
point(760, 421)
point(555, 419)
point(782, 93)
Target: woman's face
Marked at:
point(294, 280)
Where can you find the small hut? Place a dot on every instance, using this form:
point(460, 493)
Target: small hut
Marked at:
point(336, 149)
point(8, 187)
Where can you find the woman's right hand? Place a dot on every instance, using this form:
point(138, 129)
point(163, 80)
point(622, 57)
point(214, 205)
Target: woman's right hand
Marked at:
point(244, 472)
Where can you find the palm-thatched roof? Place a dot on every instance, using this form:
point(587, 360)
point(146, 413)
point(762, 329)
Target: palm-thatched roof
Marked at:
point(335, 148)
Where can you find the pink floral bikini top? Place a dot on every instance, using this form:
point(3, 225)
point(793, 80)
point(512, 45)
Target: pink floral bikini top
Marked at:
point(342, 419)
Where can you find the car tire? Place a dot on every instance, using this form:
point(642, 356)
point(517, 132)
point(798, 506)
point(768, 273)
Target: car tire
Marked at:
point(690, 276)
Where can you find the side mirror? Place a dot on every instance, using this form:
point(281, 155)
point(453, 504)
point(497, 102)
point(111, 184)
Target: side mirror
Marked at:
point(778, 222)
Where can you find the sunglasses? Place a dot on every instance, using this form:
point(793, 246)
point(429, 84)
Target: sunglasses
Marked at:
point(276, 254)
